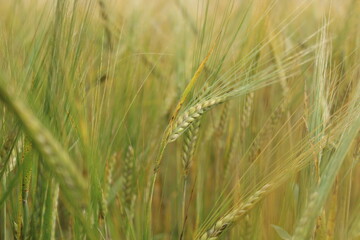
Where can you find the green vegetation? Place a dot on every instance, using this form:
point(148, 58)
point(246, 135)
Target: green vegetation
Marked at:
point(180, 119)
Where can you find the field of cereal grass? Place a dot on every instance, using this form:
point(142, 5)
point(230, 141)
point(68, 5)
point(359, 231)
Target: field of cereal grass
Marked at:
point(181, 119)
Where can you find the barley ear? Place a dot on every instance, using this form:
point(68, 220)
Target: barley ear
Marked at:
point(190, 141)
point(109, 167)
point(229, 219)
point(55, 157)
point(128, 190)
point(190, 116)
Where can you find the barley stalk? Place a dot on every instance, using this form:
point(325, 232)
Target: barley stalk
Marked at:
point(320, 231)
point(19, 221)
point(55, 209)
point(332, 212)
point(36, 215)
point(50, 213)
point(232, 152)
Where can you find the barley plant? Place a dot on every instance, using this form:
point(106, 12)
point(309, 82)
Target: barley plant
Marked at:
point(180, 119)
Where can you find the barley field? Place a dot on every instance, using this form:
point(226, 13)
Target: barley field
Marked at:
point(180, 119)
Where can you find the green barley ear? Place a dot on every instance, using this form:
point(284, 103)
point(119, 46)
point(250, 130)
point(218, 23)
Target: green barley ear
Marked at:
point(318, 197)
point(128, 188)
point(128, 194)
point(55, 157)
point(6, 147)
point(103, 209)
point(6, 151)
point(109, 167)
point(27, 174)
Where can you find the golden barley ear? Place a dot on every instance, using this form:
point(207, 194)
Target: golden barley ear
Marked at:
point(234, 215)
point(190, 116)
